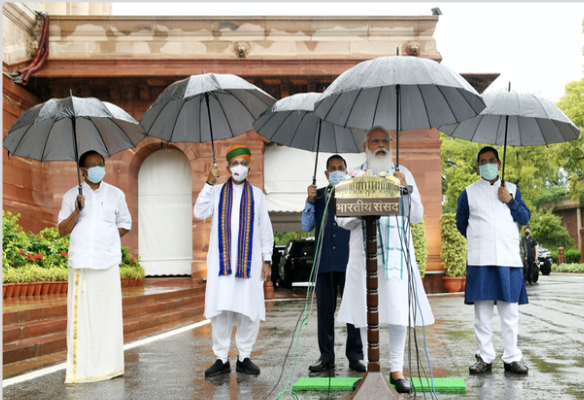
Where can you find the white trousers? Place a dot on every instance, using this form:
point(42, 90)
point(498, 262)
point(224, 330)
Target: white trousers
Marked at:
point(397, 343)
point(509, 315)
point(95, 325)
point(245, 336)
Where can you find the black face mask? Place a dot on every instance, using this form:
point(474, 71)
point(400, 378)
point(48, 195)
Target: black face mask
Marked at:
point(526, 233)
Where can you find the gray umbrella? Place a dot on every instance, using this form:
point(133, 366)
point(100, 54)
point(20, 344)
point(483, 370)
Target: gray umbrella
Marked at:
point(399, 93)
point(62, 129)
point(183, 110)
point(515, 119)
point(291, 122)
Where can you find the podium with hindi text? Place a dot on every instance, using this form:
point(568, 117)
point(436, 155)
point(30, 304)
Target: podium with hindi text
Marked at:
point(370, 197)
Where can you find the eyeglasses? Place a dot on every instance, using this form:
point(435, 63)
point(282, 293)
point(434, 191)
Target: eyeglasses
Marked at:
point(489, 161)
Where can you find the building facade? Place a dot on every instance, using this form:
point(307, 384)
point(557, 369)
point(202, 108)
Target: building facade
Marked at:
point(130, 60)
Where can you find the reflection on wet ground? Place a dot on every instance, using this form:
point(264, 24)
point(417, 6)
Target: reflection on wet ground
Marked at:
point(551, 336)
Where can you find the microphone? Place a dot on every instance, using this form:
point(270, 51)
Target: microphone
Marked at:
point(406, 190)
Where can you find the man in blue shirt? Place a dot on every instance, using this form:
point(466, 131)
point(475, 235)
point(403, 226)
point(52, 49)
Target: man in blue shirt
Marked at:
point(334, 255)
point(487, 215)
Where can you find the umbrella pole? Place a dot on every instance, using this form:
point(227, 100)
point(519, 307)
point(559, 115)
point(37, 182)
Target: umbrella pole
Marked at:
point(504, 151)
point(505, 146)
point(317, 149)
point(210, 127)
point(77, 162)
point(397, 122)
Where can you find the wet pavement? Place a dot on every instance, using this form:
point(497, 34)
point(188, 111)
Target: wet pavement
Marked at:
point(551, 336)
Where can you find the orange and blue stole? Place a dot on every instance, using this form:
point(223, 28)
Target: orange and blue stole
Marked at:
point(245, 235)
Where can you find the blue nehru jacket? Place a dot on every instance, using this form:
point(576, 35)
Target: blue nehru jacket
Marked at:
point(335, 241)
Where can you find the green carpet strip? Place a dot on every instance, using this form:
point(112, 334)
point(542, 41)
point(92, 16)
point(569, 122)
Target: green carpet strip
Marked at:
point(441, 385)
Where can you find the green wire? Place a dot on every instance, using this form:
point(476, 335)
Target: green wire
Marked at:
point(305, 317)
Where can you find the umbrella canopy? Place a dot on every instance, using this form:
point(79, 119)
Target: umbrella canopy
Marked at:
point(192, 109)
point(517, 119)
point(62, 129)
point(532, 121)
point(292, 122)
point(399, 93)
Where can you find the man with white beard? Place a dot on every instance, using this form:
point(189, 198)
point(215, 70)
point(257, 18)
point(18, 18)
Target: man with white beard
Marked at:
point(394, 271)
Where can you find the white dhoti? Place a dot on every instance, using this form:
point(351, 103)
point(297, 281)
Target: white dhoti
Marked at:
point(245, 336)
point(95, 333)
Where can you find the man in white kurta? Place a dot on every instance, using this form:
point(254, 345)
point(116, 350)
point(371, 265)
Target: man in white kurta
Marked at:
point(487, 215)
point(95, 335)
point(229, 296)
point(394, 270)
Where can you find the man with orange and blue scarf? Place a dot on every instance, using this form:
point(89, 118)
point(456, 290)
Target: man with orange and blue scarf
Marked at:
point(238, 261)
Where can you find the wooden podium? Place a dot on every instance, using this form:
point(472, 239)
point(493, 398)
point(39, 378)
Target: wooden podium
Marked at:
point(370, 197)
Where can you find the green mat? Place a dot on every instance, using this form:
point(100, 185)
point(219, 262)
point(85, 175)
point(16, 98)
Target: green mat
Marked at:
point(442, 385)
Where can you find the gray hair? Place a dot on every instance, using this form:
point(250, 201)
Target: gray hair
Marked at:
point(375, 128)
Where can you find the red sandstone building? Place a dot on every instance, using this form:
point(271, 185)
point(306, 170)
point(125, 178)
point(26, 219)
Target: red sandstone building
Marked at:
point(129, 61)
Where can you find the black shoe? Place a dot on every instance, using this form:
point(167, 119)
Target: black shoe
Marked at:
point(401, 385)
point(358, 365)
point(516, 368)
point(357, 383)
point(480, 366)
point(322, 366)
point(218, 368)
point(247, 366)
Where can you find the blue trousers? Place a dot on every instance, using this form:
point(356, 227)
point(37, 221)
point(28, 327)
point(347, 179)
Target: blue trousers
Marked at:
point(326, 304)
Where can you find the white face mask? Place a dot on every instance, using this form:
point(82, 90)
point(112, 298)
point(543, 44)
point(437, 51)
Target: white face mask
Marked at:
point(239, 172)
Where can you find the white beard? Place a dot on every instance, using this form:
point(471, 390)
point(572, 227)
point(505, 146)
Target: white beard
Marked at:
point(378, 163)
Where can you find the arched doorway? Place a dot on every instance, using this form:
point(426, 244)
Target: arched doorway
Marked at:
point(165, 214)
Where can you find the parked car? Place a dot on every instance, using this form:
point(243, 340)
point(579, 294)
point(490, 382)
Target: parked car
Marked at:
point(545, 260)
point(296, 264)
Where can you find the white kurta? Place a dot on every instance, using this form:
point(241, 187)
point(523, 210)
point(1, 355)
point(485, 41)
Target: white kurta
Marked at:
point(226, 292)
point(393, 293)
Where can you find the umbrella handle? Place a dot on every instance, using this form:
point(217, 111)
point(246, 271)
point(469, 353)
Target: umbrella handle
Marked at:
point(78, 199)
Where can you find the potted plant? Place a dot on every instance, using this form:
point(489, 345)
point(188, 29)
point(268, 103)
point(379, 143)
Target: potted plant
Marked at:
point(454, 253)
point(28, 275)
point(20, 284)
point(64, 278)
point(52, 278)
point(45, 278)
point(9, 279)
point(37, 277)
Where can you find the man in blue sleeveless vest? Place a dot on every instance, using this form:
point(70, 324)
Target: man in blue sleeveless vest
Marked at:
point(487, 215)
point(334, 255)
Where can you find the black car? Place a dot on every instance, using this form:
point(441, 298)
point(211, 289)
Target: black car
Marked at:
point(296, 264)
point(545, 260)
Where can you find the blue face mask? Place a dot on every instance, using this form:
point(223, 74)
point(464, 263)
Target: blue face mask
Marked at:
point(336, 177)
point(489, 171)
point(95, 174)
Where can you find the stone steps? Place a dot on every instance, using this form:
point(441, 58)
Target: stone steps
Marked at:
point(40, 332)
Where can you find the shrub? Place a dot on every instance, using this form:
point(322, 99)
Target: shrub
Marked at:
point(570, 267)
point(547, 229)
point(454, 250)
point(572, 256)
point(420, 246)
point(43, 256)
